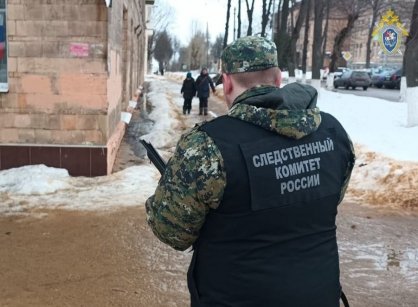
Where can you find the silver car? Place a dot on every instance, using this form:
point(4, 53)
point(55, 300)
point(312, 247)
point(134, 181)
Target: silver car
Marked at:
point(353, 79)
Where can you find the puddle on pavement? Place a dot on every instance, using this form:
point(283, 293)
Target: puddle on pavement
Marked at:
point(138, 126)
point(377, 257)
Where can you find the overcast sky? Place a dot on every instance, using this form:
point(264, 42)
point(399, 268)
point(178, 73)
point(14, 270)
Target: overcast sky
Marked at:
point(199, 12)
point(210, 12)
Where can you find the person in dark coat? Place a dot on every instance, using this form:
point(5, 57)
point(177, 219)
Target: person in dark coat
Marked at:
point(203, 82)
point(188, 90)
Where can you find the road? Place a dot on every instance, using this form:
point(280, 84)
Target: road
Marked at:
point(382, 93)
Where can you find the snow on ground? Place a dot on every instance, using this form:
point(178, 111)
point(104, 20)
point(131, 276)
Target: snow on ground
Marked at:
point(386, 171)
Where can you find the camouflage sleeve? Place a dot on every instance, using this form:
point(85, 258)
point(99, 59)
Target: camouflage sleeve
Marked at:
point(350, 166)
point(193, 182)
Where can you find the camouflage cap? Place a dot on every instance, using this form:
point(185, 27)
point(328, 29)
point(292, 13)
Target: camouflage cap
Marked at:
point(250, 53)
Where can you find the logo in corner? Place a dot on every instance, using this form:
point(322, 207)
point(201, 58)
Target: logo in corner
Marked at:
point(390, 31)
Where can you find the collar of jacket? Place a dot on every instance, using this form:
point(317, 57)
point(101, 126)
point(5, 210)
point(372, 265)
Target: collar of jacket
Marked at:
point(290, 111)
point(254, 91)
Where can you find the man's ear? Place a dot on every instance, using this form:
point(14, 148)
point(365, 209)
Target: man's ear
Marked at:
point(227, 84)
point(278, 79)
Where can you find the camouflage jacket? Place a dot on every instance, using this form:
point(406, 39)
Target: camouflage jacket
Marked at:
point(195, 178)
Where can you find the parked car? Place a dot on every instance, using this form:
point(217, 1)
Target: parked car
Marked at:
point(378, 78)
point(339, 71)
point(353, 79)
point(393, 80)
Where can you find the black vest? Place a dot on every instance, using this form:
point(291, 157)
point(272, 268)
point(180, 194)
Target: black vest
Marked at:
point(272, 241)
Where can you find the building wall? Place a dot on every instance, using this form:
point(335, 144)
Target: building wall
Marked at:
point(72, 67)
point(127, 48)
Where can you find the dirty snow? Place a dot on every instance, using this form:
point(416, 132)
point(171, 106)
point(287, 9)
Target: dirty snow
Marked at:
point(386, 171)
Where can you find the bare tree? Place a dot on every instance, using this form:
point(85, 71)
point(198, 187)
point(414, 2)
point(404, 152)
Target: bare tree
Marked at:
point(163, 50)
point(411, 66)
point(250, 12)
point(411, 59)
point(265, 16)
point(291, 51)
point(317, 39)
point(325, 32)
point(306, 38)
point(276, 28)
point(282, 37)
point(228, 12)
point(352, 10)
point(162, 15)
point(197, 50)
point(216, 49)
point(183, 59)
point(239, 19)
point(377, 7)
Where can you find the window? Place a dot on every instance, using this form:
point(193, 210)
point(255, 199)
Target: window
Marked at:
point(4, 87)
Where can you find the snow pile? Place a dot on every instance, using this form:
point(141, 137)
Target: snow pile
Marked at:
point(382, 181)
point(165, 117)
point(130, 187)
point(34, 179)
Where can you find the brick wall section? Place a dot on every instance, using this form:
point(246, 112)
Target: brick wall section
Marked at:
point(56, 86)
point(72, 68)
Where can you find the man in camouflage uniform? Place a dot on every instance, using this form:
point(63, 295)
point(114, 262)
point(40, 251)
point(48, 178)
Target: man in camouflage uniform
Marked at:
point(255, 192)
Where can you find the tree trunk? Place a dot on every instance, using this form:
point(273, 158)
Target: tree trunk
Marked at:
point(250, 11)
point(295, 36)
point(306, 38)
point(282, 37)
point(317, 39)
point(375, 8)
point(411, 68)
point(339, 41)
point(228, 11)
point(265, 16)
point(239, 19)
point(325, 33)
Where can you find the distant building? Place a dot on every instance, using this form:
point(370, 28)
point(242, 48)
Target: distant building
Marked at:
point(67, 72)
point(356, 42)
point(358, 38)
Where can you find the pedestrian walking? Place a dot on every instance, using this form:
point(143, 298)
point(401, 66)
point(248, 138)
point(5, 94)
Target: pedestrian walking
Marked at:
point(255, 192)
point(188, 90)
point(204, 84)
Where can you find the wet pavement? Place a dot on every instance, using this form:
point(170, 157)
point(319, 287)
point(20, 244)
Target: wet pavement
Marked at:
point(378, 255)
point(64, 258)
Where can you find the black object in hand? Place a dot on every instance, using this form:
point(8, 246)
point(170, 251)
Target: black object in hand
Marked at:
point(154, 156)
